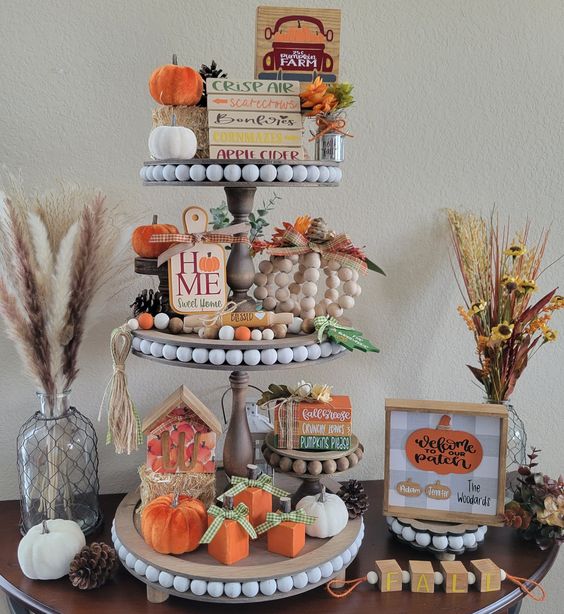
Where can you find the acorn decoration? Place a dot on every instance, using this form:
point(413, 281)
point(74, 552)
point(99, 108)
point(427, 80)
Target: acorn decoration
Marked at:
point(148, 301)
point(319, 231)
point(209, 72)
point(93, 566)
point(356, 500)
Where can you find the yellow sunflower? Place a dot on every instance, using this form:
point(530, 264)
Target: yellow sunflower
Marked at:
point(502, 331)
point(510, 283)
point(477, 307)
point(515, 250)
point(549, 334)
point(527, 286)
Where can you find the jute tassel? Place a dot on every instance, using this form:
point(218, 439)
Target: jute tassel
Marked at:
point(124, 425)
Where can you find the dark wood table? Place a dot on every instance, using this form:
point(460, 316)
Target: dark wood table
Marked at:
point(125, 594)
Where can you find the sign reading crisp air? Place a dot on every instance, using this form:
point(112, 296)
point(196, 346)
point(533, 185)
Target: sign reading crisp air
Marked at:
point(445, 461)
point(258, 120)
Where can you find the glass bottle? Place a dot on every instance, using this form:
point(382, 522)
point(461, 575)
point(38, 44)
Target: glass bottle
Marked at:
point(57, 461)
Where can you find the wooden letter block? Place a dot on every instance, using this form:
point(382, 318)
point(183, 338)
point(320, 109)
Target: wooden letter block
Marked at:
point(488, 575)
point(455, 577)
point(422, 577)
point(389, 575)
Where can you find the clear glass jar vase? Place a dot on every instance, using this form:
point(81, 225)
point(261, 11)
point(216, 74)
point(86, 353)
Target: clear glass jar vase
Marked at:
point(57, 461)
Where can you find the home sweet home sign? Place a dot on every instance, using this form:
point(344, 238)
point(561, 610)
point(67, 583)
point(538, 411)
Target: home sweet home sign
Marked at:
point(445, 461)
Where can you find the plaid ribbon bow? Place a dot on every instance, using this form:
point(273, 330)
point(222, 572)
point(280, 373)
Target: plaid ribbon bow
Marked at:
point(337, 249)
point(187, 240)
point(264, 482)
point(239, 514)
point(273, 519)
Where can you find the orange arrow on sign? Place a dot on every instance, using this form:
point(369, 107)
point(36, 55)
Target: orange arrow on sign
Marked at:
point(221, 100)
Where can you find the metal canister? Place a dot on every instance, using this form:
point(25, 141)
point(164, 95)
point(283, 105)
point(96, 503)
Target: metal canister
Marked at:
point(331, 147)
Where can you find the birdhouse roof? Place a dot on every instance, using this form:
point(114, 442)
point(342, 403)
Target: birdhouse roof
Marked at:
point(182, 395)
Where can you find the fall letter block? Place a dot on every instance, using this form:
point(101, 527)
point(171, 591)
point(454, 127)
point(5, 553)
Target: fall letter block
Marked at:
point(287, 539)
point(230, 544)
point(389, 575)
point(455, 577)
point(258, 501)
point(422, 577)
point(488, 575)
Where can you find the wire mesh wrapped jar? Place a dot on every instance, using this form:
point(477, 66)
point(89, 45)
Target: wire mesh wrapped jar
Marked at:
point(58, 465)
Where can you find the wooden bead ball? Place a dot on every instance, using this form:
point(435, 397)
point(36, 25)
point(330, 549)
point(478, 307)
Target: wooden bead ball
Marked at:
point(312, 274)
point(201, 332)
point(329, 466)
point(296, 310)
point(295, 288)
point(175, 326)
point(334, 310)
point(279, 330)
point(307, 314)
point(349, 287)
point(358, 290)
point(260, 279)
point(211, 332)
point(355, 275)
point(282, 294)
point(299, 467)
point(321, 309)
point(311, 260)
point(274, 459)
point(309, 288)
point(308, 326)
point(256, 334)
point(286, 306)
point(265, 266)
point(334, 282)
point(342, 463)
point(269, 303)
point(332, 295)
point(314, 467)
point(346, 302)
point(282, 279)
point(333, 265)
point(307, 303)
point(294, 258)
point(283, 264)
point(260, 293)
point(285, 464)
point(359, 453)
point(299, 277)
point(344, 274)
point(353, 459)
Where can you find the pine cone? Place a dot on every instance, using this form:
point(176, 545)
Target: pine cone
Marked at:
point(352, 493)
point(209, 72)
point(148, 301)
point(93, 566)
point(318, 231)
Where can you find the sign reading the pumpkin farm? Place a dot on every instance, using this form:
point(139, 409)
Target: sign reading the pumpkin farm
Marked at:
point(297, 43)
point(258, 120)
point(445, 461)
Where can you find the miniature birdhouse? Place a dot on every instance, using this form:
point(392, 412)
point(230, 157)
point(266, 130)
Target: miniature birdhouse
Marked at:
point(181, 435)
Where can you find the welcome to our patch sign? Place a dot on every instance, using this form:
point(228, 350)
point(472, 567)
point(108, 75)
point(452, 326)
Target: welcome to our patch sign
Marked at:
point(445, 461)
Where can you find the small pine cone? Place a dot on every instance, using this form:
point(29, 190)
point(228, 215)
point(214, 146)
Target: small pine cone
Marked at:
point(356, 500)
point(318, 231)
point(148, 301)
point(93, 566)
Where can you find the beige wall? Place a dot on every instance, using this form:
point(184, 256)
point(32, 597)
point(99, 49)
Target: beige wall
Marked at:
point(459, 103)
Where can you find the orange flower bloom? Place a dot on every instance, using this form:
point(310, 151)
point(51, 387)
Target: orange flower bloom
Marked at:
point(316, 98)
point(302, 223)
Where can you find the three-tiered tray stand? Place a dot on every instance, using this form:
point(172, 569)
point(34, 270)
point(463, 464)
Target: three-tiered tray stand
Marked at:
point(263, 575)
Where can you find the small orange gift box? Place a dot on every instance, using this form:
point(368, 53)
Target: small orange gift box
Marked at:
point(286, 530)
point(228, 532)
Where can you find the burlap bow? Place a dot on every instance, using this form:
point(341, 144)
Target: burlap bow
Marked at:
point(189, 239)
point(239, 514)
point(294, 242)
point(264, 482)
point(273, 519)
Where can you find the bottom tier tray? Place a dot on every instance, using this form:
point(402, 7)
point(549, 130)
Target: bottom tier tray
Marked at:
point(260, 577)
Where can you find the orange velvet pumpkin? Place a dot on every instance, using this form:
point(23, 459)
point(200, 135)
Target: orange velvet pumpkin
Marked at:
point(141, 235)
point(174, 525)
point(209, 263)
point(172, 84)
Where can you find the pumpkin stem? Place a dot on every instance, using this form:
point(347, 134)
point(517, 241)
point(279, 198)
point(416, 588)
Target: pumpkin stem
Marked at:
point(175, 500)
point(155, 218)
point(252, 472)
point(175, 59)
point(285, 505)
point(44, 528)
point(209, 254)
point(228, 502)
point(173, 120)
point(322, 496)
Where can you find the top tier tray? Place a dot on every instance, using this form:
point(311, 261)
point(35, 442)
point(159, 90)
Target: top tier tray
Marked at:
point(250, 173)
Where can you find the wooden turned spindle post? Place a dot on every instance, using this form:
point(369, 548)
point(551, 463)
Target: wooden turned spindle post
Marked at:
point(238, 450)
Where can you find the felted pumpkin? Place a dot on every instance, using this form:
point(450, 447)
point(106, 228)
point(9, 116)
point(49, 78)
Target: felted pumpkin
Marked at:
point(170, 142)
point(331, 513)
point(443, 450)
point(176, 85)
point(141, 235)
point(47, 549)
point(209, 263)
point(174, 524)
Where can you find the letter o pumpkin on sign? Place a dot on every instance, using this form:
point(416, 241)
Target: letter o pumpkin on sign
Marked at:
point(443, 450)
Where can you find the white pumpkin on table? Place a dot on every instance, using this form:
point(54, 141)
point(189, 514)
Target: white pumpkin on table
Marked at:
point(172, 142)
point(329, 509)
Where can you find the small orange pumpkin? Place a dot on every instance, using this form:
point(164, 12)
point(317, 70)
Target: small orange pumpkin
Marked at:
point(174, 524)
point(141, 235)
point(173, 85)
point(209, 263)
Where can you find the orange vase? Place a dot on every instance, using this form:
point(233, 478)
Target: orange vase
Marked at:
point(258, 501)
point(230, 544)
point(287, 538)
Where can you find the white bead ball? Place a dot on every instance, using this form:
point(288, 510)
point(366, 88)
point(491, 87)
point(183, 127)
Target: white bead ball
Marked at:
point(397, 527)
point(405, 577)
point(152, 574)
point(326, 569)
point(265, 266)
point(182, 172)
point(346, 302)
point(503, 574)
point(389, 520)
point(161, 321)
point(284, 173)
point(349, 287)
point(149, 173)
point(408, 534)
point(338, 174)
point(227, 333)
point(423, 539)
point(314, 575)
point(250, 589)
point(296, 326)
point(309, 288)
point(169, 172)
point(285, 584)
point(285, 355)
point(143, 173)
point(157, 349)
point(268, 587)
point(251, 357)
point(232, 589)
point(323, 174)
point(337, 563)
point(267, 172)
point(469, 540)
point(313, 351)
point(300, 580)
point(346, 556)
point(214, 172)
point(256, 334)
point(311, 274)
point(158, 173)
point(345, 274)
point(181, 584)
point(215, 589)
point(232, 172)
point(198, 587)
point(299, 173)
point(169, 351)
point(312, 173)
point(456, 542)
point(268, 334)
point(372, 577)
point(326, 349)
point(140, 567)
point(440, 542)
point(471, 578)
point(133, 324)
point(184, 354)
point(217, 356)
point(268, 356)
point(130, 560)
point(311, 260)
point(333, 265)
point(334, 310)
point(300, 353)
point(234, 357)
point(201, 332)
point(307, 303)
point(200, 355)
point(166, 579)
point(198, 172)
point(438, 578)
point(332, 174)
point(250, 172)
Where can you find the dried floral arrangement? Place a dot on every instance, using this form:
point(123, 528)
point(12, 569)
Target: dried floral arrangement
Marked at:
point(499, 274)
point(318, 98)
point(537, 507)
point(303, 391)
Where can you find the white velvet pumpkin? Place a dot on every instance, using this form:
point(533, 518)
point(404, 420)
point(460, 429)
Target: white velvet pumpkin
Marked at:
point(172, 142)
point(331, 513)
point(47, 549)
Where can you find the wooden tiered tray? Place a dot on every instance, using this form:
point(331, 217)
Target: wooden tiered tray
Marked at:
point(196, 575)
